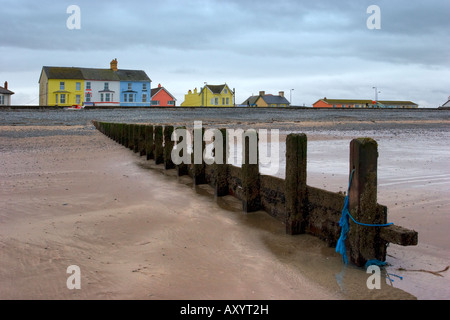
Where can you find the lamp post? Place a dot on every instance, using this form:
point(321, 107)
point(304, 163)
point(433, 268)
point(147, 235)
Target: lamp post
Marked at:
point(206, 95)
point(290, 99)
point(376, 93)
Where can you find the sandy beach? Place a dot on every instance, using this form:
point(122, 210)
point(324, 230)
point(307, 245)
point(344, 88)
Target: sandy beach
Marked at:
point(71, 196)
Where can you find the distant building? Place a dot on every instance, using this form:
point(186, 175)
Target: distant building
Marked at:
point(162, 98)
point(267, 100)
point(210, 96)
point(5, 95)
point(342, 103)
point(66, 86)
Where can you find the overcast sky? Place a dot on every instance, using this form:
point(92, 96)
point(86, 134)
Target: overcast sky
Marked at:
point(319, 48)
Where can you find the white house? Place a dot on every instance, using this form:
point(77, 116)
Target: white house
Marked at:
point(101, 87)
point(5, 95)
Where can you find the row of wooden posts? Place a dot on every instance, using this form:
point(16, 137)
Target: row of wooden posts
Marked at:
point(302, 208)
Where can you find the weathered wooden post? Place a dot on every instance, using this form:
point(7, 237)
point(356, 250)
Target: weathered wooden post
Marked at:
point(123, 134)
point(182, 168)
point(149, 145)
point(295, 184)
point(141, 149)
point(168, 147)
point(137, 138)
point(198, 161)
point(221, 169)
point(159, 151)
point(131, 136)
point(115, 132)
point(365, 242)
point(250, 171)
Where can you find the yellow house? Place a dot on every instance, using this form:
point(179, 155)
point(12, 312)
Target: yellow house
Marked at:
point(210, 96)
point(61, 86)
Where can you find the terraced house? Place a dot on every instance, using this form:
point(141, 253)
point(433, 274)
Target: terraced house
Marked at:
point(210, 96)
point(67, 86)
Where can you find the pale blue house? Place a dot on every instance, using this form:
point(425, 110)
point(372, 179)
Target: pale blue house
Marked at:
point(134, 88)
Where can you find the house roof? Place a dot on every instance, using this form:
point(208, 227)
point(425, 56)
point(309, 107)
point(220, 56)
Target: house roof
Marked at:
point(99, 74)
point(359, 101)
point(5, 91)
point(217, 89)
point(268, 98)
point(132, 75)
point(63, 73)
point(251, 100)
point(271, 99)
point(154, 91)
point(447, 104)
point(94, 74)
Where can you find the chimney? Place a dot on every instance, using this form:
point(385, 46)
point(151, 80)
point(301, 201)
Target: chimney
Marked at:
point(159, 85)
point(114, 64)
point(262, 93)
point(281, 94)
point(6, 85)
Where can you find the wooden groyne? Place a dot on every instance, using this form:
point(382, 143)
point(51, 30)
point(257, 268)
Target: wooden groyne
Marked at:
point(302, 208)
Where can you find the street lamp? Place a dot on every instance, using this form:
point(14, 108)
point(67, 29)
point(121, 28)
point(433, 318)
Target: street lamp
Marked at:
point(290, 99)
point(376, 93)
point(206, 95)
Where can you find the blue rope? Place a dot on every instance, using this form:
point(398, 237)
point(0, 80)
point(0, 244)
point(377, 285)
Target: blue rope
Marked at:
point(344, 224)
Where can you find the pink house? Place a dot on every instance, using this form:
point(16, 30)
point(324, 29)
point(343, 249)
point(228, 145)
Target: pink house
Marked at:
point(162, 98)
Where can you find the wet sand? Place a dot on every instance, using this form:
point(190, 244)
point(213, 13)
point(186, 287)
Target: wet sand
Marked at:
point(71, 196)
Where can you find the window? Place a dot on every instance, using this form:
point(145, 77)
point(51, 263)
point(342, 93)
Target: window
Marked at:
point(107, 97)
point(155, 103)
point(2, 99)
point(88, 86)
point(171, 103)
point(78, 86)
point(227, 100)
point(223, 101)
point(144, 97)
point(225, 91)
point(61, 85)
point(56, 99)
point(77, 99)
point(212, 101)
point(130, 97)
point(216, 100)
point(63, 98)
point(125, 96)
point(130, 86)
point(106, 86)
point(88, 97)
point(101, 97)
point(144, 87)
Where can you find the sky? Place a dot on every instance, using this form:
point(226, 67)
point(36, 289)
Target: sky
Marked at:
point(308, 49)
